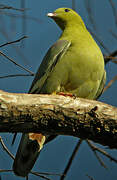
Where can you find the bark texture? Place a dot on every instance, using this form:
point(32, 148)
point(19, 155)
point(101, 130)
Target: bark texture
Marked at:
point(55, 114)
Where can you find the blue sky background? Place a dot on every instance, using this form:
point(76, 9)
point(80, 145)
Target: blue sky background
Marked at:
point(41, 35)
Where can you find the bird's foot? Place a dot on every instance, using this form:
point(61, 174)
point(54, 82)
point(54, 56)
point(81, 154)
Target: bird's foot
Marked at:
point(66, 94)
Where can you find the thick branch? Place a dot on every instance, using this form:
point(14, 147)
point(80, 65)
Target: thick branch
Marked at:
point(55, 114)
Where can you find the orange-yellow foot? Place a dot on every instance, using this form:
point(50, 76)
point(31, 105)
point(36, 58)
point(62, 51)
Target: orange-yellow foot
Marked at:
point(66, 94)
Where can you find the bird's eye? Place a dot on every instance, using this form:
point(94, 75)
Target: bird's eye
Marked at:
point(67, 10)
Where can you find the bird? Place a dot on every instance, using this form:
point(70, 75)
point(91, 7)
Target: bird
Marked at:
point(73, 64)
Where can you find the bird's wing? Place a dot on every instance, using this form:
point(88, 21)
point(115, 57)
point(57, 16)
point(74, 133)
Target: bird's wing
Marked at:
point(49, 62)
point(101, 87)
point(32, 143)
point(53, 55)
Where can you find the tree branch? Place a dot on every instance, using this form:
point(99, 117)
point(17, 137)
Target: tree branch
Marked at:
point(55, 114)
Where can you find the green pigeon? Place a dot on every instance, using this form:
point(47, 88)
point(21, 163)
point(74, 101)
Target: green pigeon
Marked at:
point(74, 65)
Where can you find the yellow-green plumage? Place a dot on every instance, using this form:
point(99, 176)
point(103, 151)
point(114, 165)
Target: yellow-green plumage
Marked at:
point(80, 67)
point(74, 64)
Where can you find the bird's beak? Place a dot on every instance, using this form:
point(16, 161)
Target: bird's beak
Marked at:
point(51, 15)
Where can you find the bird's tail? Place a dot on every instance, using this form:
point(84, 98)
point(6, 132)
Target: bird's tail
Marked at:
point(28, 151)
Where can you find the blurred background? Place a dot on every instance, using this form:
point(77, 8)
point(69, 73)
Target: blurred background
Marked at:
point(28, 18)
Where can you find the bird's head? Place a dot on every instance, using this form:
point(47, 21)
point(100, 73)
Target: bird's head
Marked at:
point(66, 17)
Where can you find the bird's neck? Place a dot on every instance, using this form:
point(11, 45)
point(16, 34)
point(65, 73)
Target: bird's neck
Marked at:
point(73, 31)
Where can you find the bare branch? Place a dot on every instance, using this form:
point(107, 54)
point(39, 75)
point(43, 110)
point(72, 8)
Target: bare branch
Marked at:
point(114, 11)
point(42, 176)
point(90, 14)
point(44, 173)
point(48, 174)
point(5, 148)
point(110, 83)
point(34, 173)
point(21, 16)
point(99, 40)
point(2, 6)
point(114, 61)
point(110, 57)
point(107, 59)
point(24, 22)
point(74, 4)
point(95, 148)
point(18, 51)
point(16, 75)
point(6, 170)
point(71, 159)
point(16, 63)
point(91, 178)
point(59, 115)
point(95, 153)
point(113, 34)
point(11, 42)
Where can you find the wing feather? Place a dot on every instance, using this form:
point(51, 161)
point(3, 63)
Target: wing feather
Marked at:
point(52, 57)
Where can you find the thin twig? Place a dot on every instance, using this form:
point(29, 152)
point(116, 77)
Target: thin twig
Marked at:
point(48, 174)
point(2, 6)
point(90, 14)
point(16, 75)
point(11, 42)
point(110, 83)
point(113, 54)
point(91, 178)
point(40, 174)
point(37, 174)
point(14, 137)
point(100, 160)
point(103, 152)
point(71, 159)
point(113, 34)
point(114, 61)
point(6, 35)
point(73, 4)
point(6, 149)
point(21, 16)
point(95, 153)
point(19, 52)
point(6, 170)
point(99, 40)
point(16, 63)
point(110, 57)
point(23, 4)
point(113, 10)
